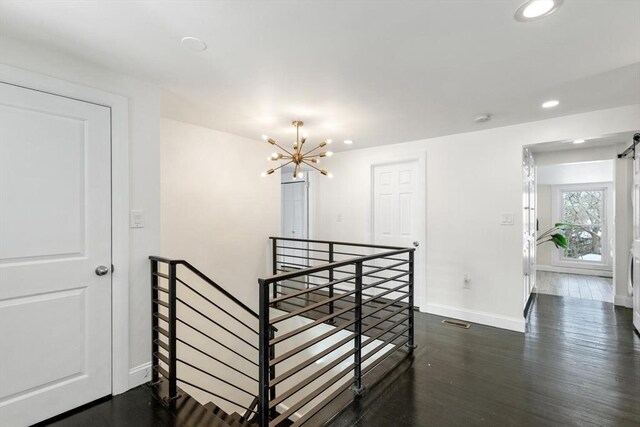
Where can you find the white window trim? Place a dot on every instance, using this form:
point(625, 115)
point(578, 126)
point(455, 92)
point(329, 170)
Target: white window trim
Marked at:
point(119, 106)
point(607, 227)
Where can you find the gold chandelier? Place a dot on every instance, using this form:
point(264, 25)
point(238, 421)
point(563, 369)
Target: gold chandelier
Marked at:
point(297, 157)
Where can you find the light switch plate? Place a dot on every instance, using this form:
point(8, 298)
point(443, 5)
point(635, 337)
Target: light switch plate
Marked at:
point(136, 219)
point(506, 219)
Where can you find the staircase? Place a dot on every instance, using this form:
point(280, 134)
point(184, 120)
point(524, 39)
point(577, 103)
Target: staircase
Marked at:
point(331, 314)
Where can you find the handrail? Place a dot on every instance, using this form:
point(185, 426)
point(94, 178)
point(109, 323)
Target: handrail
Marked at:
point(206, 279)
point(357, 245)
point(333, 265)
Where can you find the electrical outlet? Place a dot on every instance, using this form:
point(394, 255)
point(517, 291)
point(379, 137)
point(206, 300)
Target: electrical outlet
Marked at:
point(466, 284)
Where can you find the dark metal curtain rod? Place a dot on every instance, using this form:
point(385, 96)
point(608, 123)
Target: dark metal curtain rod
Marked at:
point(632, 148)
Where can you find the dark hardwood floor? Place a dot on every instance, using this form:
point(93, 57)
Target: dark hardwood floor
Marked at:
point(578, 365)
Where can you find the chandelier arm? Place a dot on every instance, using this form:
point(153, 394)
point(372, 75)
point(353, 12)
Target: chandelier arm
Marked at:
point(283, 149)
point(311, 151)
point(281, 166)
point(309, 164)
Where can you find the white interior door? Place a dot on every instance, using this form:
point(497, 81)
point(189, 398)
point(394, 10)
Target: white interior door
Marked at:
point(398, 214)
point(55, 230)
point(635, 250)
point(295, 223)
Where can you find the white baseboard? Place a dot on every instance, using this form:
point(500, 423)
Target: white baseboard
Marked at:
point(481, 317)
point(569, 270)
point(139, 375)
point(623, 301)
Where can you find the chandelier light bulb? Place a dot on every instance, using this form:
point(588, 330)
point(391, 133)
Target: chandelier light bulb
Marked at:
point(265, 137)
point(329, 141)
point(329, 153)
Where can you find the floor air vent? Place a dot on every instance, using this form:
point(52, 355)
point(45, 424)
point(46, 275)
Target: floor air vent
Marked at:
point(457, 323)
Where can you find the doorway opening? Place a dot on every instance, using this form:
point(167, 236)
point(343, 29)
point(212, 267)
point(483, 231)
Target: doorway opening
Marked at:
point(294, 219)
point(580, 192)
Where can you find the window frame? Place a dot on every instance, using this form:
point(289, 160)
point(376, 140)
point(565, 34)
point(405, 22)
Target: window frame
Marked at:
point(557, 255)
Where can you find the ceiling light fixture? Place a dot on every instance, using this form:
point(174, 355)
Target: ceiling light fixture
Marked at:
point(536, 9)
point(193, 43)
point(348, 141)
point(578, 141)
point(550, 104)
point(297, 157)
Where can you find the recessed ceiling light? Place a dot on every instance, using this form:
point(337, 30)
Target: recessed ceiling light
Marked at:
point(550, 104)
point(578, 141)
point(348, 141)
point(194, 43)
point(536, 9)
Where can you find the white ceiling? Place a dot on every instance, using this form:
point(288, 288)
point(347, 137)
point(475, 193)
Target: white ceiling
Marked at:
point(376, 72)
point(622, 138)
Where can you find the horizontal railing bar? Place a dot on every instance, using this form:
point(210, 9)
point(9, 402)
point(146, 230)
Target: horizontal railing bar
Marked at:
point(309, 307)
point(158, 274)
point(284, 270)
point(217, 360)
point(368, 368)
point(311, 342)
point(217, 342)
point(324, 312)
point(309, 325)
point(283, 263)
point(161, 356)
point(162, 330)
point(299, 256)
point(300, 366)
point(162, 344)
point(311, 412)
point(384, 344)
point(328, 300)
point(161, 371)
point(160, 302)
point(218, 307)
point(287, 286)
point(285, 276)
point(308, 398)
point(361, 245)
point(282, 396)
point(214, 394)
point(377, 336)
point(335, 282)
point(161, 289)
point(385, 319)
point(327, 334)
point(213, 376)
point(161, 316)
point(202, 276)
point(217, 324)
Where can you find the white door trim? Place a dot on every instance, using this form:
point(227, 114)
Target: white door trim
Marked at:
point(120, 203)
point(420, 297)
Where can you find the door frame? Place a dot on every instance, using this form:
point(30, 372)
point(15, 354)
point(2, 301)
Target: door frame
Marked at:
point(119, 107)
point(420, 293)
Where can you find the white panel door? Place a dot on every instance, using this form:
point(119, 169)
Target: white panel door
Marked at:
point(635, 250)
point(295, 223)
point(55, 229)
point(398, 216)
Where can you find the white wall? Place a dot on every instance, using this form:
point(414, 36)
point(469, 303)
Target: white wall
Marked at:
point(144, 181)
point(576, 173)
point(471, 179)
point(217, 212)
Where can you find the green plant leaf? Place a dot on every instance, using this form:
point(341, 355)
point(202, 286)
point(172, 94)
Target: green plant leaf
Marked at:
point(559, 240)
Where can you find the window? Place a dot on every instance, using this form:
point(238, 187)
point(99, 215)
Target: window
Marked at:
point(585, 210)
point(588, 209)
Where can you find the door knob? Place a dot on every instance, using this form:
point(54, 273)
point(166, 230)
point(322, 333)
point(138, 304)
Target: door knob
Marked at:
point(416, 243)
point(101, 270)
